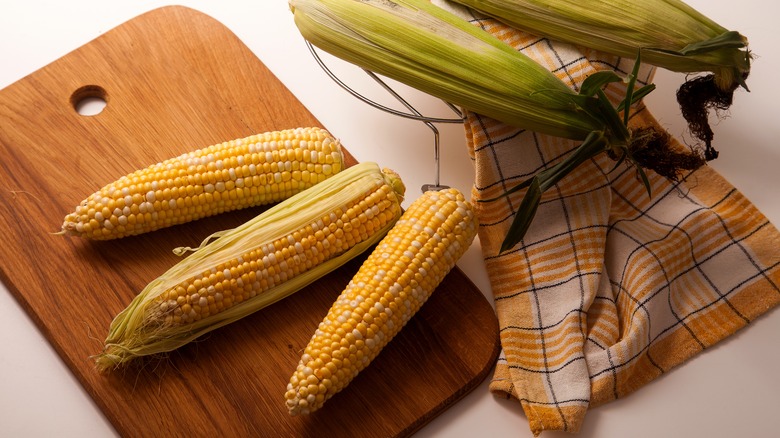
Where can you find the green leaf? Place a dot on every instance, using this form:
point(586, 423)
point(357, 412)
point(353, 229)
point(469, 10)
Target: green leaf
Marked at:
point(637, 96)
point(597, 80)
point(524, 216)
point(727, 40)
point(611, 117)
point(644, 178)
point(593, 145)
point(620, 160)
point(730, 39)
point(516, 188)
point(630, 88)
point(577, 101)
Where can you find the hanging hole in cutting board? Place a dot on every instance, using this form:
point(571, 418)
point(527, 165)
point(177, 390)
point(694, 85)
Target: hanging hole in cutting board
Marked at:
point(89, 100)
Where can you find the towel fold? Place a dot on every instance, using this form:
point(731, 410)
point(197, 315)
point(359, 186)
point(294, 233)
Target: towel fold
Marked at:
point(610, 287)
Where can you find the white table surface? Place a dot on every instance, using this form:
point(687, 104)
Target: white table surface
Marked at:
point(733, 389)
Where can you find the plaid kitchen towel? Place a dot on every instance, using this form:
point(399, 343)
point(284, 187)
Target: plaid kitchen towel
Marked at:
point(610, 287)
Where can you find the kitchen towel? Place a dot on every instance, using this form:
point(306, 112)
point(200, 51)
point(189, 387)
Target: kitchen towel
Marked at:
point(610, 287)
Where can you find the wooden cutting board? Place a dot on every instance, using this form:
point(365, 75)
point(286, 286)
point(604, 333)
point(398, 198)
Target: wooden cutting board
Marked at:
point(174, 80)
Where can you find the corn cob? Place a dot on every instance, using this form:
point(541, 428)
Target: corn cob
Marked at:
point(256, 170)
point(670, 34)
point(258, 263)
point(388, 289)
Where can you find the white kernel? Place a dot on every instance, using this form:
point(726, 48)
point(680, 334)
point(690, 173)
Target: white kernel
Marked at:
point(150, 197)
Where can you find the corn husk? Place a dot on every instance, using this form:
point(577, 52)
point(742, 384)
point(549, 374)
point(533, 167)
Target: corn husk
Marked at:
point(430, 49)
point(440, 53)
point(670, 33)
point(138, 331)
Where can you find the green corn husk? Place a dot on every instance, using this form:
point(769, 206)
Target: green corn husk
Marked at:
point(142, 329)
point(670, 34)
point(439, 53)
point(434, 51)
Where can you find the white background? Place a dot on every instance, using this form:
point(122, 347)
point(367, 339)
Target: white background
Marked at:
point(729, 390)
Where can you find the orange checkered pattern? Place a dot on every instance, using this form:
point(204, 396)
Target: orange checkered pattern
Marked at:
point(610, 287)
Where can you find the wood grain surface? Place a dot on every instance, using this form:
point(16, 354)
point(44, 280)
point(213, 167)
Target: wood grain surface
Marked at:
point(174, 80)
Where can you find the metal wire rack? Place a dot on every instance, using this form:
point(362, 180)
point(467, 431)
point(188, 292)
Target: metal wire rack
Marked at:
point(412, 114)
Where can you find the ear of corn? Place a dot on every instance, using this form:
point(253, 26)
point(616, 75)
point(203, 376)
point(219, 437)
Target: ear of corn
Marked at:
point(441, 54)
point(256, 170)
point(388, 289)
point(256, 264)
point(671, 34)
